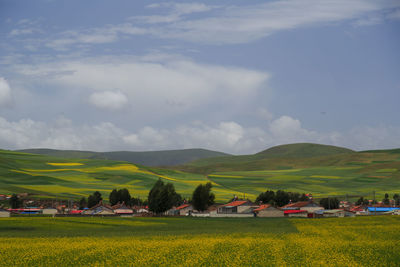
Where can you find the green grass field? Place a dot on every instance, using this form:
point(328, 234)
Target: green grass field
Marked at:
point(359, 241)
point(322, 171)
point(51, 177)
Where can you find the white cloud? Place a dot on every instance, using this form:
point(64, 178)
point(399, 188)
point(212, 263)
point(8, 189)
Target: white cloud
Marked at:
point(5, 92)
point(177, 10)
point(226, 136)
point(162, 85)
point(247, 23)
point(107, 34)
point(112, 100)
point(232, 24)
point(286, 128)
point(26, 27)
point(394, 15)
point(61, 134)
point(265, 114)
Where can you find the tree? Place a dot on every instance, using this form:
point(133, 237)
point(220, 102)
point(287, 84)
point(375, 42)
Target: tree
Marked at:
point(362, 201)
point(94, 199)
point(97, 196)
point(386, 200)
point(15, 201)
point(124, 196)
point(202, 197)
point(154, 196)
point(82, 203)
point(396, 198)
point(114, 197)
point(294, 197)
point(266, 197)
point(303, 197)
point(281, 198)
point(91, 201)
point(329, 203)
point(162, 197)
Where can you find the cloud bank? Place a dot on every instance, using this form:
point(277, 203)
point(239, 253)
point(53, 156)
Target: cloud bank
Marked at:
point(230, 24)
point(227, 136)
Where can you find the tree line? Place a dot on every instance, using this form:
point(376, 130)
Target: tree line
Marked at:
point(163, 197)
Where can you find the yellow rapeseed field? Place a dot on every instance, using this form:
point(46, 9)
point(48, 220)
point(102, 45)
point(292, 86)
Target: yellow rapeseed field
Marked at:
point(64, 163)
point(311, 242)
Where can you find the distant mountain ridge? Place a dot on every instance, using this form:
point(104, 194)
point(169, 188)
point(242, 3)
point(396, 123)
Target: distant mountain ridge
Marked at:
point(147, 158)
point(271, 158)
point(302, 150)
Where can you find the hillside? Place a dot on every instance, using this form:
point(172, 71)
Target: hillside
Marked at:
point(336, 174)
point(278, 157)
point(318, 169)
point(302, 150)
point(147, 158)
point(52, 177)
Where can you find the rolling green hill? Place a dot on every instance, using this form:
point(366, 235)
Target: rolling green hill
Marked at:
point(52, 177)
point(278, 157)
point(317, 169)
point(147, 158)
point(302, 150)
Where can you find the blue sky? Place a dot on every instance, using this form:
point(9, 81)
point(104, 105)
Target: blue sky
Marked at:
point(234, 76)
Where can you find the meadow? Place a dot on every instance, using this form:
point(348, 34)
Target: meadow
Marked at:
point(359, 241)
point(321, 172)
point(52, 177)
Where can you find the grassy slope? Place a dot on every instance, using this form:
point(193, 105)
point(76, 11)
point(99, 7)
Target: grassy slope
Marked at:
point(149, 158)
point(337, 173)
point(321, 170)
point(360, 241)
point(23, 172)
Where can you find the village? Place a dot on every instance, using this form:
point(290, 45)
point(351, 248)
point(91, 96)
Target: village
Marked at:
point(237, 208)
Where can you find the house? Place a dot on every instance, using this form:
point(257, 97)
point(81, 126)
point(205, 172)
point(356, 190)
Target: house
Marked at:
point(50, 211)
point(30, 210)
point(235, 207)
point(122, 209)
point(308, 206)
point(381, 210)
point(268, 211)
point(76, 212)
point(296, 213)
point(99, 209)
point(184, 210)
point(210, 212)
point(4, 213)
point(331, 213)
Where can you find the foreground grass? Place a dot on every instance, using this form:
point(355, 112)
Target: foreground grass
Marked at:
point(361, 241)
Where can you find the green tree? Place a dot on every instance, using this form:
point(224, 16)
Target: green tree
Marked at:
point(303, 197)
point(124, 196)
point(362, 201)
point(15, 201)
point(266, 197)
point(91, 201)
point(82, 203)
point(294, 197)
point(281, 198)
point(329, 203)
point(162, 197)
point(386, 200)
point(396, 198)
point(154, 196)
point(202, 197)
point(97, 196)
point(114, 197)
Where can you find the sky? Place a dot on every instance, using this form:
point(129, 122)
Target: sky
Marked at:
point(231, 76)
